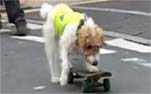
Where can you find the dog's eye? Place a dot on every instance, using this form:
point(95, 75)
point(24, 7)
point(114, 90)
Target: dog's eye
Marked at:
point(89, 47)
point(97, 47)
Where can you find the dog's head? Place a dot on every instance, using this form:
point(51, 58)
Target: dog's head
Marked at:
point(91, 39)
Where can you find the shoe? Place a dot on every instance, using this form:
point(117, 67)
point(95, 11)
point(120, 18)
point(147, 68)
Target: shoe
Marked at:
point(21, 28)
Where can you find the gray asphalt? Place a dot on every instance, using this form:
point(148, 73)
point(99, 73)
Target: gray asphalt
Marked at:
point(136, 25)
point(24, 65)
point(122, 23)
point(137, 5)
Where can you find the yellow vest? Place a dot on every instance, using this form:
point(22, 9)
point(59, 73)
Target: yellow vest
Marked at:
point(63, 15)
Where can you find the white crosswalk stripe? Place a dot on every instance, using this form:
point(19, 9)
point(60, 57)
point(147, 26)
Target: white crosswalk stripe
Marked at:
point(121, 43)
point(137, 61)
point(106, 51)
point(115, 10)
point(4, 30)
point(30, 38)
point(41, 40)
point(34, 26)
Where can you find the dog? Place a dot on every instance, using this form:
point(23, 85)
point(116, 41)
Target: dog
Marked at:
point(63, 28)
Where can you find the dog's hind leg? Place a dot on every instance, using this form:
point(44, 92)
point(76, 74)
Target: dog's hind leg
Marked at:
point(50, 48)
point(57, 62)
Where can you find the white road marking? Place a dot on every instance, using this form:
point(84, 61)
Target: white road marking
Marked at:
point(88, 1)
point(29, 25)
point(134, 59)
point(128, 37)
point(30, 38)
point(121, 43)
point(106, 51)
point(10, 25)
point(116, 42)
point(39, 87)
point(34, 26)
point(35, 21)
point(4, 20)
point(4, 30)
point(146, 65)
point(137, 61)
point(41, 40)
point(115, 10)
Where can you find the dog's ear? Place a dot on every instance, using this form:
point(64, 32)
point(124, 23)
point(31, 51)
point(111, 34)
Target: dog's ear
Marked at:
point(99, 33)
point(83, 36)
point(89, 21)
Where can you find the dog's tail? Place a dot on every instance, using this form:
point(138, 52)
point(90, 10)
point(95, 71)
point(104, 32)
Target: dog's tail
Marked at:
point(45, 9)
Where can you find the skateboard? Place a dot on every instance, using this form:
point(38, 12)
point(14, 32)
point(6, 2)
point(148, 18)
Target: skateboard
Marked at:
point(91, 80)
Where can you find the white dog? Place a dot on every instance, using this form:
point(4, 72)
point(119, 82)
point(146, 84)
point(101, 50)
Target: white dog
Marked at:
point(63, 28)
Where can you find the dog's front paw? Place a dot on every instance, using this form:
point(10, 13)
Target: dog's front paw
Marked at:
point(93, 69)
point(55, 80)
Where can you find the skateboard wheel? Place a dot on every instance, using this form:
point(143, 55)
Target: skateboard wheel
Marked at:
point(85, 87)
point(70, 78)
point(106, 84)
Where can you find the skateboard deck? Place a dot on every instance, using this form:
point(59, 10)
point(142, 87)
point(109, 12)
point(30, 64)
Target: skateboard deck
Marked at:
point(92, 78)
point(89, 74)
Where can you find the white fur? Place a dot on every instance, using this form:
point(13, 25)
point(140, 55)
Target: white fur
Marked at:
point(91, 68)
point(45, 9)
point(91, 58)
point(89, 21)
point(58, 48)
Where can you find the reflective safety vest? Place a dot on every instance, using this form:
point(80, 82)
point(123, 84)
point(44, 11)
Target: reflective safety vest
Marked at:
point(63, 15)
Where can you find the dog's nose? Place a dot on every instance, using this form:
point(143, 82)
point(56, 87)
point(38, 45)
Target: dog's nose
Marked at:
point(95, 63)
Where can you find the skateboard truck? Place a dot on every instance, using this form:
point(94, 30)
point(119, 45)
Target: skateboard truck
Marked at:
point(91, 80)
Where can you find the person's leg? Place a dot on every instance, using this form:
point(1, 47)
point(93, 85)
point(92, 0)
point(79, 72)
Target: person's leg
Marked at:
point(0, 22)
point(16, 16)
point(1, 3)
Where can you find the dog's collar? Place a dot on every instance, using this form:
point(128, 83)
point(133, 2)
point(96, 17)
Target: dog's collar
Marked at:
point(77, 32)
point(79, 26)
point(82, 21)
